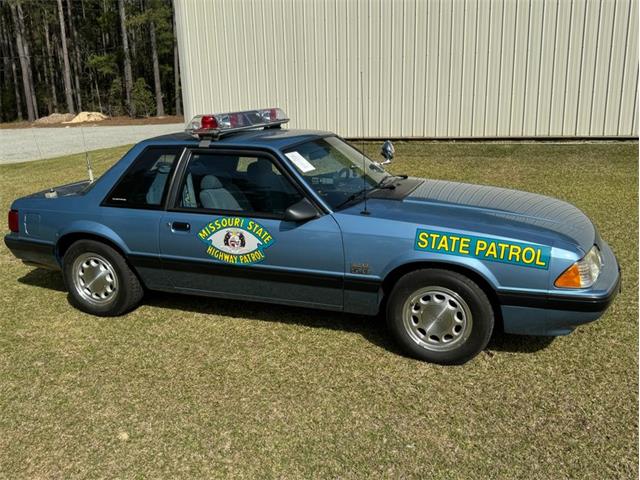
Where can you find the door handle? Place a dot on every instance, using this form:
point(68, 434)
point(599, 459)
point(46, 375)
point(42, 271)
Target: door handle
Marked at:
point(180, 226)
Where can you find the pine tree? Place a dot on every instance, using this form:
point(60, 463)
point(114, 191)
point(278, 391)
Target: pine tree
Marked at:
point(65, 57)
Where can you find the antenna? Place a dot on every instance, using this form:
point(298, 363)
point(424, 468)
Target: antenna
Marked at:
point(86, 156)
point(364, 166)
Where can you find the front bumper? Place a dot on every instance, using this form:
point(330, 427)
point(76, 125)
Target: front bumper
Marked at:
point(32, 252)
point(559, 313)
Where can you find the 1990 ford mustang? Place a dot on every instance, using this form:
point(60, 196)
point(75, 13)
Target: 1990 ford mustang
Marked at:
point(238, 207)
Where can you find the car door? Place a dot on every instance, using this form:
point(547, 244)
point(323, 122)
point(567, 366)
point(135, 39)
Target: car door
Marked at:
point(134, 207)
point(224, 234)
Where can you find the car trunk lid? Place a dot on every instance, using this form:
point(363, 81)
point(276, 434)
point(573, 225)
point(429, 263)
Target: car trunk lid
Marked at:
point(70, 189)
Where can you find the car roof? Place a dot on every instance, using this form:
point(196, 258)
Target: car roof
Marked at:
point(274, 138)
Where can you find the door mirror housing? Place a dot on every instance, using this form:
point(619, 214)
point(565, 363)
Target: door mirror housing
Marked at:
point(301, 211)
point(387, 151)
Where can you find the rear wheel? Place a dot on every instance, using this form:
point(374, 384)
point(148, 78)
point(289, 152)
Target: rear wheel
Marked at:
point(98, 279)
point(439, 316)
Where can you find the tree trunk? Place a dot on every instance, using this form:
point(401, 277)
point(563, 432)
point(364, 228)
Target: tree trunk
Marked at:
point(103, 34)
point(23, 64)
point(17, 89)
point(47, 81)
point(156, 70)
point(14, 73)
point(54, 95)
point(27, 53)
point(9, 61)
point(76, 53)
point(95, 79)
point(34, 98)
point(128, 76)
point(176, 70)
point(6, 67)
point(65, 56)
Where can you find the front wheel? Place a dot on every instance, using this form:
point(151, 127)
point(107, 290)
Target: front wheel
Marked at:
point(98, 279)
point(439, 316)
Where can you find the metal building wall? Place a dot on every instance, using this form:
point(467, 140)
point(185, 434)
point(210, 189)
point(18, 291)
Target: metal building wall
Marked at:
point(456, 68)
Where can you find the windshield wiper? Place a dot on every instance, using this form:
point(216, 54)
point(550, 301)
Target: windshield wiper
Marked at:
point(383, 184)
point(352, 197)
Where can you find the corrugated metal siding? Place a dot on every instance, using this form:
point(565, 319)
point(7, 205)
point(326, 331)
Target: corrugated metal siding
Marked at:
point(461, 68)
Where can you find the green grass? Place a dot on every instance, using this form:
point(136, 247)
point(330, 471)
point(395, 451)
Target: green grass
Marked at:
point(190, 387)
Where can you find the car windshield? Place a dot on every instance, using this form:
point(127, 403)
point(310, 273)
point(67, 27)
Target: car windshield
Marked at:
point(334, 169)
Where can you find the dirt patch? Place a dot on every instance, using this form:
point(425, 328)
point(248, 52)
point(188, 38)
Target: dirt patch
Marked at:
point(84, 117)
point(54, 118)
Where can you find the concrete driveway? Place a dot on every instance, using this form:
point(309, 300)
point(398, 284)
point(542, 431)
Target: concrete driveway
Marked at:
point(27, 144)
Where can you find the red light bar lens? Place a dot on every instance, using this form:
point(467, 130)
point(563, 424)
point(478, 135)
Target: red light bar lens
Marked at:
point(208, 122)
point(13, 221)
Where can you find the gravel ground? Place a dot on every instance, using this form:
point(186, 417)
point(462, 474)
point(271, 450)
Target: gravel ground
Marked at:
point(26, 144)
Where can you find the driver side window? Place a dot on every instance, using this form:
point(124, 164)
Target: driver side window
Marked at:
point(236, 184)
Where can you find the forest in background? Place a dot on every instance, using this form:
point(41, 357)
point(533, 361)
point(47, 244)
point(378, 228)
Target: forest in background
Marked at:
point(117, 57)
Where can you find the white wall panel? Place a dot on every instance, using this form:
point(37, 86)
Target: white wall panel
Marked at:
point(437, 68)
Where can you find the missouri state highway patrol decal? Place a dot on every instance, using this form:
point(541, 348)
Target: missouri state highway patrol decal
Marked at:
point(494, 250)
point(235, 240)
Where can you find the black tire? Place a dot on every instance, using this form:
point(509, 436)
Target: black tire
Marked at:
point(125, 297)
point(470, 344)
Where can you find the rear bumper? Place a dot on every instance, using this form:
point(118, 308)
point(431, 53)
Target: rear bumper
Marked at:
point(32, 252)
point(559, 314)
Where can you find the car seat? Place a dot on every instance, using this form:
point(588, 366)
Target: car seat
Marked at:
point(154, 194)
point(261, 174)
point(214, 195)
point(270, 188)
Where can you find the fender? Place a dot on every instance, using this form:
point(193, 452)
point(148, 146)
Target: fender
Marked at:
point(415, 258)
point(91, 228)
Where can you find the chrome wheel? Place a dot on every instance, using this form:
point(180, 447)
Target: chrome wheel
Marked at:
point(437, 318)
point(94, 278)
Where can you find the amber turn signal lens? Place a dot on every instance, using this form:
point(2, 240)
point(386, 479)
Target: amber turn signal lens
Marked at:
point(570, 278)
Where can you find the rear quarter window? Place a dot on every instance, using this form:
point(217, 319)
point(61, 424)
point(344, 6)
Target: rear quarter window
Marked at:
point(145, 183)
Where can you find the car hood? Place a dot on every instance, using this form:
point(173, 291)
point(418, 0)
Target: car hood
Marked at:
point(490, 208)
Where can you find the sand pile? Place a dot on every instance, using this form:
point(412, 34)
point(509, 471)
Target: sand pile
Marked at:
point(55, 118)
point(88, 117)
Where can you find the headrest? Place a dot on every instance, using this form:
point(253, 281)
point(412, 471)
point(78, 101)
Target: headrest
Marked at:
point(261, 166)
point(210, 182)
point(164, 167)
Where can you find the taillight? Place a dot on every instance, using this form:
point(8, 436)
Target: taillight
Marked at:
point(13, 221)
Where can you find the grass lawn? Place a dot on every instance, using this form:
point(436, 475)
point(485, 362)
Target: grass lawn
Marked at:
point(190, 387)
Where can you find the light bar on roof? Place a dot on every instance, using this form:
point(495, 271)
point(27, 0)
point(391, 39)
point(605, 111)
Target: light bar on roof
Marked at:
point(217, 124)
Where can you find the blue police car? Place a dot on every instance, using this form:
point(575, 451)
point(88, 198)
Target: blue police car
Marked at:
point(237, 207)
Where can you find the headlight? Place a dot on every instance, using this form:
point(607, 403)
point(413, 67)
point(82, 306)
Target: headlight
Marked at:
point(583, 273)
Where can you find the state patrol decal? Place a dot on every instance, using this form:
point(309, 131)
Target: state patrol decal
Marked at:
point(491, 249)
point(236, 240)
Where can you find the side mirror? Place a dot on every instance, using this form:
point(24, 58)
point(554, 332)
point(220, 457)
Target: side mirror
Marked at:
point(301, 211)
point(387, 151)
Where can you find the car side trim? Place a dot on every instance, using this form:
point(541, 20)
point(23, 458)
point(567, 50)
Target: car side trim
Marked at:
point(256, 273)
point(314, 279)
